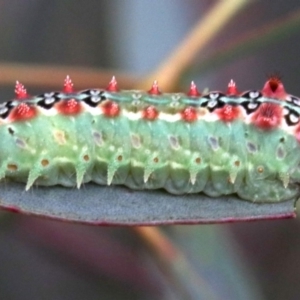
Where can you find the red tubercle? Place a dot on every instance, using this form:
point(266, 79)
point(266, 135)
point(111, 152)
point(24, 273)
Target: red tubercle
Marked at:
point(268, 116)
point(68, 85)
point(154, 89)
point(228, 113)
point(193, 91)
point(20, 91)
point(150, 113)
point(113, 85)
point(189, 114)
point(22, 112)
point(274, 88)
point(69, 107)
point(232, 88)
point(110, 109)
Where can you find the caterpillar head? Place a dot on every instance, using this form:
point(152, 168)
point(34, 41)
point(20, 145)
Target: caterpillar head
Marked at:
point(274, 88)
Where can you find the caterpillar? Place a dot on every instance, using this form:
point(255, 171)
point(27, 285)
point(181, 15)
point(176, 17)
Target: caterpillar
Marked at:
point(216, 143)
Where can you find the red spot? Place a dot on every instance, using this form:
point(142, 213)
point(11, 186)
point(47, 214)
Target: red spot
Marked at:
point(228, 113)
point(111, 109)
point(69, 107)
point(20, 91)
point(113, 85)
point(189, 114)
point(274, 88)
point(150, 113)
point(154, 89)
point(232, 89)
point(193, 92)
point(268, 116)
point(22, 112)
point(297, 134)
point(68, 85)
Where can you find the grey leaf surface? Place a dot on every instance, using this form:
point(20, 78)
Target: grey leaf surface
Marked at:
point(118, 205)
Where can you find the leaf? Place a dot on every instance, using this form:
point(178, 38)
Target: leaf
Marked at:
point(117, 205)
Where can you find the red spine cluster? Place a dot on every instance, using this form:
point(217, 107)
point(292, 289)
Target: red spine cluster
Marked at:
point(150, 113)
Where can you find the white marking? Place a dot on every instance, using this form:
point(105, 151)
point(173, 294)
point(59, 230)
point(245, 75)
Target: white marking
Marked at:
point(94, 111)
point(231, 83)
point(252, 105)
point(187, 152)
point(174, 104)
point(49, 100)
point(285, 111)
point(254, 94)
point(294, 118)
point(296, 101)
point(176, 97)
point(135, 141)
point(136, 96)
point(135, 163)
point(169, 118)
point(47, 112)
point(3, 110)
point(175, 165)
point(136, 102)
point(133, 116)
point(48, 95)
point(62, 160)
point(94, 93)
point(213, 96)
point(288, 98)
point(95, 99)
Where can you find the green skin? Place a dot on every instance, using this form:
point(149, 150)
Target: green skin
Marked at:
point(215, 158)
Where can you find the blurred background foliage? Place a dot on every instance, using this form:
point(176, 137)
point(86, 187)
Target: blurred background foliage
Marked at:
point(42, 259)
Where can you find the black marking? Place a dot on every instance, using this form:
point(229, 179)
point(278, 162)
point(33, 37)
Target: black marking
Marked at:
point(253, 101)
point(251, 106)
point(252, 95)
point(282, 140)
point(11, 131)
point(291, 117)
point(49, 99)
point(93, 97)
point(213, 101)
point(295, 100)
point(5, 109)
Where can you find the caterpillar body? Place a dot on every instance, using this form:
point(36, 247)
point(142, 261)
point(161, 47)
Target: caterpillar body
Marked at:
point(215, 143)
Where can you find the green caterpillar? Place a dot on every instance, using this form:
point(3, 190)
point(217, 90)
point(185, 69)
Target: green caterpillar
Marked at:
point(215, 143)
